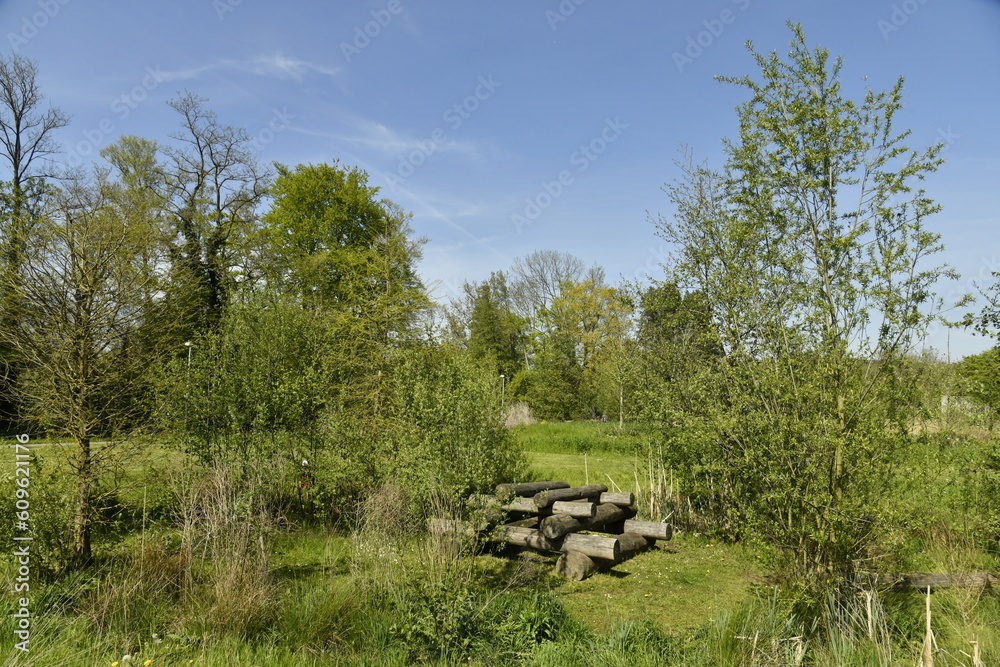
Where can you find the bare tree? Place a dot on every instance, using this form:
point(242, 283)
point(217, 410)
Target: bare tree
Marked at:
point(214, 186)
point(25, 140)
point(538, 278)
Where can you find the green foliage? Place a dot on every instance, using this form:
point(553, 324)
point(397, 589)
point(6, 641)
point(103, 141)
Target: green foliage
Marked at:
point(450, 425)
point(980, 376)
point(494, 330)
point(808, 252)
point(235, 394)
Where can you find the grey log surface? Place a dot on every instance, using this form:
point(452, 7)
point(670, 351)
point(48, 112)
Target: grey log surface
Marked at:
point(528, 488)
point(595, 546)
point(575, 508)
point(657, 531)
point(625, 499)
point(557, 525)
point(546, 498)
point(528, 506)
point(925, 580)
point(631, 543)
point(575, 565)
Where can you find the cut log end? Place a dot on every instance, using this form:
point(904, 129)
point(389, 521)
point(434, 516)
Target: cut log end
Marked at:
point(575, 565)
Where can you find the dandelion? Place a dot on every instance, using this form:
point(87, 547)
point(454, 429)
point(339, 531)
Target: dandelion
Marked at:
point(114, 664)
point(148, 663)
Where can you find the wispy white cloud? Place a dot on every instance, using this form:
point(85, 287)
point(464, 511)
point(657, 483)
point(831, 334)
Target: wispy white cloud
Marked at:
point(276, 65)
point(379, 137)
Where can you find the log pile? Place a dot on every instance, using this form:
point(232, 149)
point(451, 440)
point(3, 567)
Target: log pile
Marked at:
point(589, 526)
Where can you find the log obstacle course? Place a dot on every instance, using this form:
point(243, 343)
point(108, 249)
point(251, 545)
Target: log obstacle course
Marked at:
point(552, 517)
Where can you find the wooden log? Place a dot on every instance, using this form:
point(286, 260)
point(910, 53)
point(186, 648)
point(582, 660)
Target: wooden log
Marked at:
point(575, 565)
point(657, 531)
point(925, 580)
point(527, 537)
point(626, 499)
point(530, 522)
point(557, 525)
point(546, 498)
point(521, 505)
point(606, 513)
point(595, 546)
point(528, 506)
point(631, 543)
point(528, 488)
point(575, 508)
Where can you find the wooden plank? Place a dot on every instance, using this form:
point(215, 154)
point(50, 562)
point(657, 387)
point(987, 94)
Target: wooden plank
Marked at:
point(625, 499)
point(546, 498)
point(653, 529)
point(575, 565)
point(528, 488)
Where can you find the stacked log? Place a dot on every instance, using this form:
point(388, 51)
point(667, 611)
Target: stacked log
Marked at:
point(589, 526)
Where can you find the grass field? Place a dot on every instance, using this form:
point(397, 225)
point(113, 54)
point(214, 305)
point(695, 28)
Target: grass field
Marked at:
point(366, 597)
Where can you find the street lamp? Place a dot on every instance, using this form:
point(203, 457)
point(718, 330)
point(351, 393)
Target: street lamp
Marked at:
point(502, 389)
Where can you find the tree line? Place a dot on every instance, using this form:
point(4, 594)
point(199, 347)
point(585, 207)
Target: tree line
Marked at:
point(273, 315)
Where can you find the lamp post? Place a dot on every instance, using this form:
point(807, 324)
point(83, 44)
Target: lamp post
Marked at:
point(189, 345)
point(503, 383)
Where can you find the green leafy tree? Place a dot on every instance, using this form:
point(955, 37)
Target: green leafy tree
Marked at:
point(808, 249)
point(84, 290)
point(494, 331)
point(980, 379)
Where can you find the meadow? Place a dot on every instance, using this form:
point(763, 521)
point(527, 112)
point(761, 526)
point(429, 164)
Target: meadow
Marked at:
point(169, 590)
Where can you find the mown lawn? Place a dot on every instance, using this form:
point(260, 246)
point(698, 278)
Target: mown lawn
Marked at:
point(677, 585)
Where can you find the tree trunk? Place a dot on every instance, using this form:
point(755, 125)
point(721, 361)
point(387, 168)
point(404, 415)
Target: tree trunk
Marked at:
point(82, 555)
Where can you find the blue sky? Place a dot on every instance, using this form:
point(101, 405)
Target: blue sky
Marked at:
point(469, 113)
